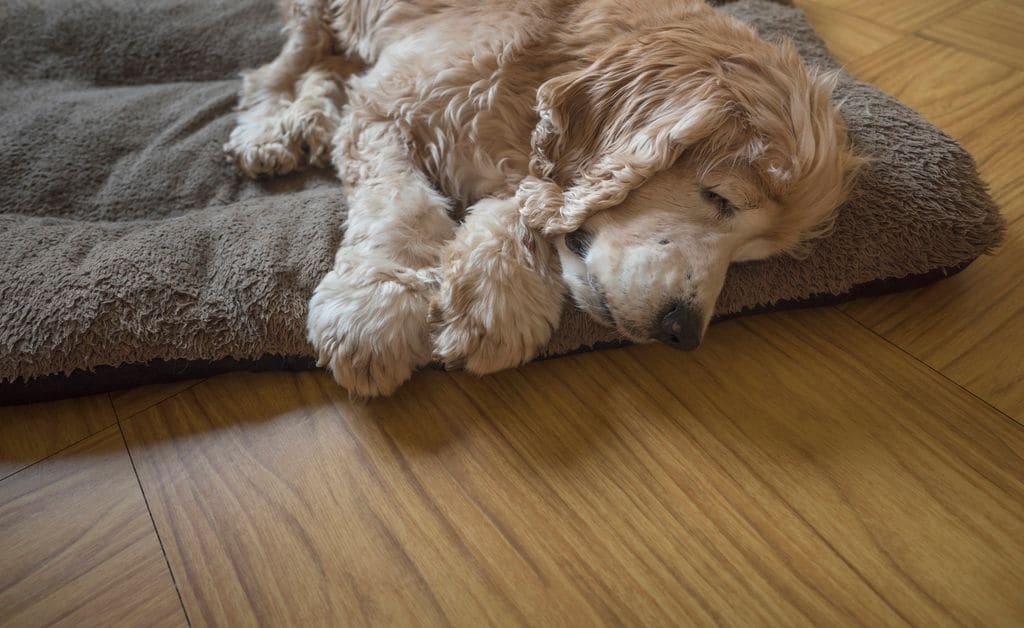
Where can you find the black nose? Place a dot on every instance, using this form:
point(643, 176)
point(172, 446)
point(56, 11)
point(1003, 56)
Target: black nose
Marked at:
point(681, 327)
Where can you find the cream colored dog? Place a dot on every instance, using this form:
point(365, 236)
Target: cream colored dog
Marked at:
point(652, 141)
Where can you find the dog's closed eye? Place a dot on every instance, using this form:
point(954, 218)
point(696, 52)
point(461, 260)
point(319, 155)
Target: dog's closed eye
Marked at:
point(578, 242)
point(721, 204)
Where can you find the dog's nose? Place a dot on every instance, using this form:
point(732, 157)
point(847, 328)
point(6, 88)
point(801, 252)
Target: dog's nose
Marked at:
point(682, 326)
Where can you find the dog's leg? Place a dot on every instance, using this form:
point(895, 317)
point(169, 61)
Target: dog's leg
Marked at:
point(263, 141)
point(368, 319)
point(501, 294)
point(308, 125)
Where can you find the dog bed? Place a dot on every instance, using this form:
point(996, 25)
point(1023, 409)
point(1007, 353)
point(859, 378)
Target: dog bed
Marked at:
point(131, 252)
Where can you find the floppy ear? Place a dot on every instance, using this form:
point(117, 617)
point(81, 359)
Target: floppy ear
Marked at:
point(605, 129)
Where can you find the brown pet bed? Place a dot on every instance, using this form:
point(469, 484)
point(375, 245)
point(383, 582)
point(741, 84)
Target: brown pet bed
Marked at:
point(131, 252)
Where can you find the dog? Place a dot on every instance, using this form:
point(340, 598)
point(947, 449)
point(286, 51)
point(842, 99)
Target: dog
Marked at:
point(498, 155)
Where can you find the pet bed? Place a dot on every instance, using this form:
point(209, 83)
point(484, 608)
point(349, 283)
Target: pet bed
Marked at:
point(131, 252)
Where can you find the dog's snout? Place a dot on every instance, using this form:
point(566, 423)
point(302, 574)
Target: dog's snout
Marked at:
point(682, 326)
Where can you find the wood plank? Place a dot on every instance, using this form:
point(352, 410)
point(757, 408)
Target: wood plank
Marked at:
point(127, 403)
point(848, 36)
point(906, 15)
point(794, 471)
point(971, 327)
point(994, 29)
point(29, 433)
point(77, 546)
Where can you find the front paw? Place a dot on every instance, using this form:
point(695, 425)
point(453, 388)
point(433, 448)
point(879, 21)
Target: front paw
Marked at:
point(368, 324)
point(269, 144)
point(261, 153)
point(494, 313)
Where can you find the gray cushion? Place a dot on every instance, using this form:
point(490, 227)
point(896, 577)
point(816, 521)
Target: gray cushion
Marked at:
point(125, 238)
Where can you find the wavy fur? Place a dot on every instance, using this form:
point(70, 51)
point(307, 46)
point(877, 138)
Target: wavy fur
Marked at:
point(530, 118)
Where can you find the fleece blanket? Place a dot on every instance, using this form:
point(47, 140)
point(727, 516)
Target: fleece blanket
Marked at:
point(127, 241)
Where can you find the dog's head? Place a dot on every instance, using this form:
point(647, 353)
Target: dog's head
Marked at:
point(704, 145)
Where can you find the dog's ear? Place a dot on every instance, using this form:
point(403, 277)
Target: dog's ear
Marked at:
point(604, 129)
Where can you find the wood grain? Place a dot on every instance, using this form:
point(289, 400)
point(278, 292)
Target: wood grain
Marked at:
point(77, 546)
point(29, 433)
point(969, 327)
point(849, 36)
point(794, 471)
point(994, 28)
point(906, 15)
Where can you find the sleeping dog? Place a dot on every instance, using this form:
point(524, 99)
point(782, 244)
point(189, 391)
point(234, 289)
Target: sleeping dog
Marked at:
point(498, 155)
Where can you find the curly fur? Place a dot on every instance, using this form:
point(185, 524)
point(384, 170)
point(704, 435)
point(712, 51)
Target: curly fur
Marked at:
point(530, 117)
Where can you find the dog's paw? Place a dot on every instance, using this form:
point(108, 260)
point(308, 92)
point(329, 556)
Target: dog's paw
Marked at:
point(262, 152)
point(282, 142)
point(368, 324)
point(270, 159)
point(315, 131)
point(485, 344)
point(494, 316)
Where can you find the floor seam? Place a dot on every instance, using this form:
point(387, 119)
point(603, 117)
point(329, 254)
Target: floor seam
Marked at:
point(931, 368)
point(149, 511)
point(156, 403)
point(967, 51)
point(61, 450)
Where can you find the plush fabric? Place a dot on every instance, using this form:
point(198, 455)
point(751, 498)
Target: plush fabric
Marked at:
point(127, 239)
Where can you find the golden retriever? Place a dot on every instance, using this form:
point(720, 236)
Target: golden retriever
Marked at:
point(652, 142)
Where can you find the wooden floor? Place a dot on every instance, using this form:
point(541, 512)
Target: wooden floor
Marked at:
point(853, 465)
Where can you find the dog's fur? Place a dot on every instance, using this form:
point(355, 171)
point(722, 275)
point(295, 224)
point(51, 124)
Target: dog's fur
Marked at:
point(530, 117)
